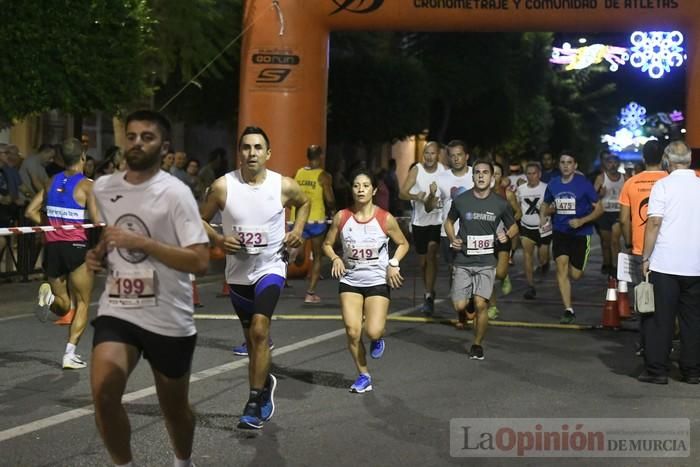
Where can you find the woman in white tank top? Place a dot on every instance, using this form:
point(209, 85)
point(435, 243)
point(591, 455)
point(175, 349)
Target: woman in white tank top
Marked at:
point(365, 271)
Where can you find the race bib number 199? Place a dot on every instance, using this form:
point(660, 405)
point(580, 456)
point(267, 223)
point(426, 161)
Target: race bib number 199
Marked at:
point(132, 288)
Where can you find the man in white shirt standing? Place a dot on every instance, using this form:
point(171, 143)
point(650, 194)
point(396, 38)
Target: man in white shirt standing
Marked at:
point(672, 255)
point(153, 240)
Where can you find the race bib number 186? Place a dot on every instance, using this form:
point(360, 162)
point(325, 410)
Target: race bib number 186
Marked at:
point(480, 244)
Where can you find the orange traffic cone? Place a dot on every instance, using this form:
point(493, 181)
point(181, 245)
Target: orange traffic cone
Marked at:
point(224, 290)
point(623, 301)
point(611, 317)
point(67, 319)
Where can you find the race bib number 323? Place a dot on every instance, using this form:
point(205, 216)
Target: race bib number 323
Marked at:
point(131, 288)
point(253, 239)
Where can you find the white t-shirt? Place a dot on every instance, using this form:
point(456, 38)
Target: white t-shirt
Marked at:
point(449, 187)
point(530, 199)
point(141, 289)
point(423, 180)
point(254, 213)
point(677, 248)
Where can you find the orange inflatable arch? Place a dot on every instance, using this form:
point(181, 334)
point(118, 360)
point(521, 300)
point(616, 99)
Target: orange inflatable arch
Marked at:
point(284, 56)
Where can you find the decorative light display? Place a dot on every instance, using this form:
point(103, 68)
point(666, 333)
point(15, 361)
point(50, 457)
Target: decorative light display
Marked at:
point(633, 116)
point(656, 52)
point(624, 138)
point(583, 57)
point(676, 116)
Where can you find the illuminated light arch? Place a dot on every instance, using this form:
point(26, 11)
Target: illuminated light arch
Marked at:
point(284, 60)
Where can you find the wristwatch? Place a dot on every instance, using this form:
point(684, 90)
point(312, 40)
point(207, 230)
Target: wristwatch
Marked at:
point(394, 263)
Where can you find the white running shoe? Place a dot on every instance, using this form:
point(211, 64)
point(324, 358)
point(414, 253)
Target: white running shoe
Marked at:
point(45, 299)
point(73, 362)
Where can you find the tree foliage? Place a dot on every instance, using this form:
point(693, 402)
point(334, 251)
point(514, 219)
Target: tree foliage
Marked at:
point(74, 55)
point(81, 56)
point(497, 91)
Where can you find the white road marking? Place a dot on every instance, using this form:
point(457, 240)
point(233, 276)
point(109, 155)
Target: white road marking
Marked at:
point(57, 419)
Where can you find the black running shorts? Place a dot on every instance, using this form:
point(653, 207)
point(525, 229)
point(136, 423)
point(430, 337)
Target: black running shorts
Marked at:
point(171, 356)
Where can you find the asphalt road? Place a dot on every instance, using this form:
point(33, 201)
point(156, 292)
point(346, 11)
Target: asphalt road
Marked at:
point(424, 381)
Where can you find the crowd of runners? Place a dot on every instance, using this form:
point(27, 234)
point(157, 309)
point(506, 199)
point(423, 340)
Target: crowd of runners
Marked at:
point(467, 215)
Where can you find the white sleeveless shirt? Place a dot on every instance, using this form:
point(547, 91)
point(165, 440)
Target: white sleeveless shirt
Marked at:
point(423, 180)
point(255, 214)
point(611, 200)
point(365, 249)
point(449, 187)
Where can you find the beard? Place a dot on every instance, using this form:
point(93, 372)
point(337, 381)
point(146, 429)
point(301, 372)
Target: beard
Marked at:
point(140, 160)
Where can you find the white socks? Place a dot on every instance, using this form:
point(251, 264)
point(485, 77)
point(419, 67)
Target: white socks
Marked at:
point(180, 463)
point(70, 350)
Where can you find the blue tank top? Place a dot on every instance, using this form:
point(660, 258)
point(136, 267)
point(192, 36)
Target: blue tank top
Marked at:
point(63, 209)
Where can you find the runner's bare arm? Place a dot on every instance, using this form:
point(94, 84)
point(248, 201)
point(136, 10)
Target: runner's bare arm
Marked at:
point(396, 235)
point(90, 204)
point(513, 201)
point(546, 210)
point(214, 201)
point(408, 183)
point(293, 196)
point(33, 211)
point(626, 224)
point(326, 181)
point(337, 265)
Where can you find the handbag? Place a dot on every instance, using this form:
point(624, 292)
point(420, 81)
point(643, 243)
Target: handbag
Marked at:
point(644, 296)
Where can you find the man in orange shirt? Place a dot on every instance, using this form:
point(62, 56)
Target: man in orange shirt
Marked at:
point(634, 197)
point(634, 200)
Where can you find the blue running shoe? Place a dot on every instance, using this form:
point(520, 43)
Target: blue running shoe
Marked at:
point(267, 403)
point(250, 420)
point(363, 383)
point(376, 348)
point(242, 349)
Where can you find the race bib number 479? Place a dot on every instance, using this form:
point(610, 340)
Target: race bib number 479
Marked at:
point(129, 289)
point(565, 206)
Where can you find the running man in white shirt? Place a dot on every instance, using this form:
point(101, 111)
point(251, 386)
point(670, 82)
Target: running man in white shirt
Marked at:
point(531, 195)
point(252, 202)
point(609, 185)
point(450, 184)
point(420, 182)
point(153, 240)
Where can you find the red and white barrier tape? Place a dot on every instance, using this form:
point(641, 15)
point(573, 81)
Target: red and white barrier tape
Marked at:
point(50, 228)
point(46, 228)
